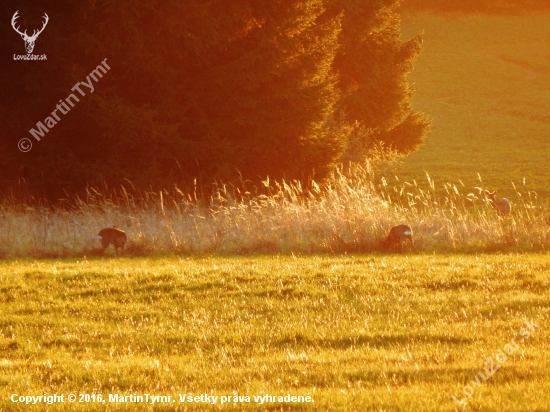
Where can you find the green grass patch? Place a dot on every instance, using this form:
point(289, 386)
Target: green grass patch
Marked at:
point(356, 332)
point(484, 81)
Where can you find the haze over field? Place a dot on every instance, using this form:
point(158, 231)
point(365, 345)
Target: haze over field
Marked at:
point(484, 81)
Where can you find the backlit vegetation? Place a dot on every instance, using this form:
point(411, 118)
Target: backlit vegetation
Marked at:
point(347, 215)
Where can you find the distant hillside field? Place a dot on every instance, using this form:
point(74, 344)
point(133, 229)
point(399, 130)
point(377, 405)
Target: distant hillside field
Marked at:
point(485, 82)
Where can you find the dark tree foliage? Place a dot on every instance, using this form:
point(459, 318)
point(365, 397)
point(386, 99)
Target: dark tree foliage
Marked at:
point(204, 90)
point(372, 64)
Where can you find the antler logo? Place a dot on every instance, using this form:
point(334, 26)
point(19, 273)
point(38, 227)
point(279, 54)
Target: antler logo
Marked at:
point(29, 40)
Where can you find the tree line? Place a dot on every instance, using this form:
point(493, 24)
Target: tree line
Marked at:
point(201, 91)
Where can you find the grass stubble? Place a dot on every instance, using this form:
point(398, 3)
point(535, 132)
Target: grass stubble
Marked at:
point(356, 332)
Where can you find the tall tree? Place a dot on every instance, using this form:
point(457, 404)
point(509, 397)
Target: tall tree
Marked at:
point(372, 64)
point(209, 90)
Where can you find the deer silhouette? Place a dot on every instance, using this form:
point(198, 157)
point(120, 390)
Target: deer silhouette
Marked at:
point(502, 207)
point(29, 40)
point(112, 236)
point(397, 237)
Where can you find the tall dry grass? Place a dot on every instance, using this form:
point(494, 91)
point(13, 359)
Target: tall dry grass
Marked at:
point(353, 212)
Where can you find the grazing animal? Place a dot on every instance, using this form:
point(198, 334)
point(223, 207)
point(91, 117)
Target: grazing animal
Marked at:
point(502, 207)
point(397, 237)
point(112, 236)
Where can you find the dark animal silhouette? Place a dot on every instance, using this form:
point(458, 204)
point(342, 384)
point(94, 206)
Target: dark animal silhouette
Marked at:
point(397, 237)
point(112, 236)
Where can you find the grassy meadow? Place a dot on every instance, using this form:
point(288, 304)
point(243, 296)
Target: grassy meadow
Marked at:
point(484, 81)
point(347, 216)
point(356, 332)
point(286, 292)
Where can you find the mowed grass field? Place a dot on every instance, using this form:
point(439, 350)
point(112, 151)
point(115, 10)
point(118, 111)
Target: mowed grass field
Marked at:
point(485, 83)
point(356, 333)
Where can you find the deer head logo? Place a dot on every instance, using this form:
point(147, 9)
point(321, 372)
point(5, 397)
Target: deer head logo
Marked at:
point(29, 40)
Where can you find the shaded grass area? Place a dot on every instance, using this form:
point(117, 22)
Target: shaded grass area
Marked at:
point(484, 81)
point(357, 332)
